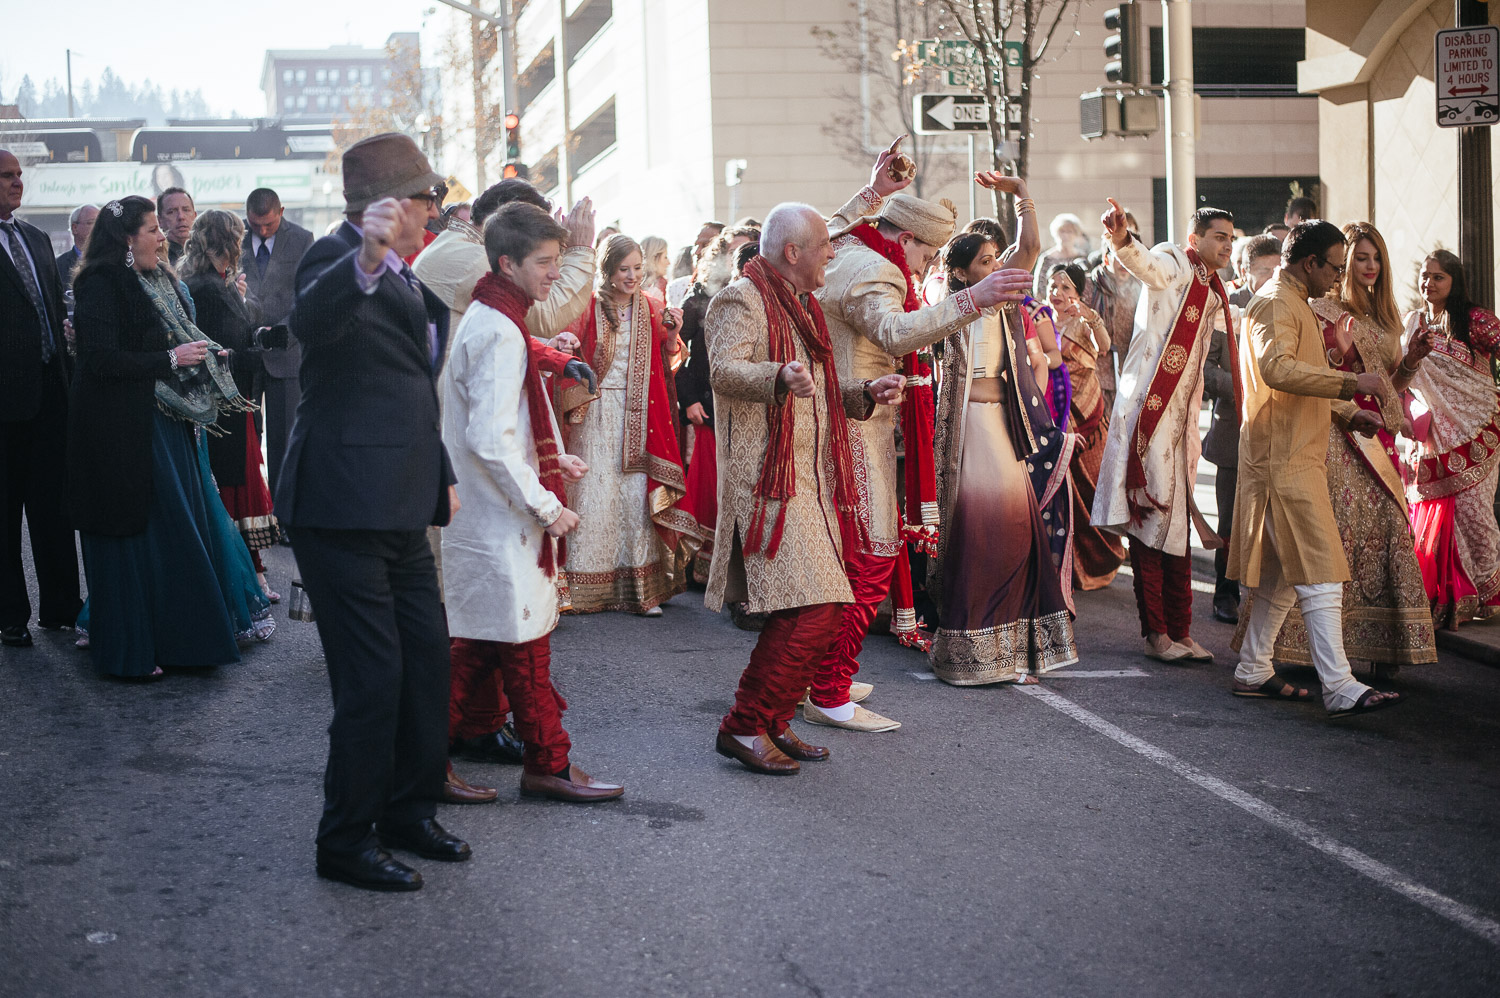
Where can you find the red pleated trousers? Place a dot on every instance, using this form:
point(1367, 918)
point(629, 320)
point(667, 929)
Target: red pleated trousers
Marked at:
point(791, 645)
point(1163, 590)
point(870, 578)
point(525, 673)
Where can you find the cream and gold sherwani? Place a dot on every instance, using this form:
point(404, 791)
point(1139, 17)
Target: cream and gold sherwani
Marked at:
point(1289, 392)
point(809, 566)
point(455, 261)
point(1171, 462)
point(864, 303)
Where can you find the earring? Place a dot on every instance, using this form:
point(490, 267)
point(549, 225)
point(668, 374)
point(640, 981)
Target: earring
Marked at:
point(129, 258)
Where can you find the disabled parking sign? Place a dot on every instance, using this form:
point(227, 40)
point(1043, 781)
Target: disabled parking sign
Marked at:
point(1468, 85)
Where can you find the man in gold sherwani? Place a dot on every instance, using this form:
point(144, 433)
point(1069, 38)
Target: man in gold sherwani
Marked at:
point(874, 320)
point(1285, 542)
point(786, 479)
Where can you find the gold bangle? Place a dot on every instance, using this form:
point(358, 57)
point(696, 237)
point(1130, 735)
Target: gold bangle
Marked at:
point(1025, 205)
point(1333, 363)
point(1409, 370)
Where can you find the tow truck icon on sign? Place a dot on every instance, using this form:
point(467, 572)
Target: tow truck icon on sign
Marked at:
point(1475, 110)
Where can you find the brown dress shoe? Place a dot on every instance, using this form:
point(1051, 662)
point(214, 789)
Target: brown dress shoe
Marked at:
point(795, 747)
point(457, 791)
point(761, 757)
point(579, 787)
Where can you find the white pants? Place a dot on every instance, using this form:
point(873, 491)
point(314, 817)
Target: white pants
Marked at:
point(1322, 606)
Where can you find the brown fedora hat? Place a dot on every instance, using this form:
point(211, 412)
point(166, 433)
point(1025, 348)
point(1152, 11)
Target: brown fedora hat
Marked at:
point(385, 166)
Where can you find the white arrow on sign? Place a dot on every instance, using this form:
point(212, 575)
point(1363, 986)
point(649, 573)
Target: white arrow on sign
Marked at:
point(942, 112)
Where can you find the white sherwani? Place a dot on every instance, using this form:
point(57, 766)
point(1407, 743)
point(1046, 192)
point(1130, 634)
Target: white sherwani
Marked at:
point(1171, 462)
point(495, 589)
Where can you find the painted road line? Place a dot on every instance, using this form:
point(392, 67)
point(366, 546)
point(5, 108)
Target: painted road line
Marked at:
point(1455, 911)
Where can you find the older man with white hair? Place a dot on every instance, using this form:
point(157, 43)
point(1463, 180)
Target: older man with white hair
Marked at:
point(874, 318)
point(80, 224)
point(787, 490)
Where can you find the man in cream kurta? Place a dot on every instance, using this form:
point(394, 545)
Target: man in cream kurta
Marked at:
point(501, 598)
point(1157, 517)
point(1285, 542)
point(865, 303)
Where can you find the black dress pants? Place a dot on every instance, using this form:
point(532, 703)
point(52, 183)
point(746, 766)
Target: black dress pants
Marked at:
point(1224, 484)
point(375, 595)
point(33, 480)
point(280, 409)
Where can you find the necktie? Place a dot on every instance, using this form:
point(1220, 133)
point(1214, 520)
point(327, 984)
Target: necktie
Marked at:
point(411, 282)
point(23, 267)
point(262, 257)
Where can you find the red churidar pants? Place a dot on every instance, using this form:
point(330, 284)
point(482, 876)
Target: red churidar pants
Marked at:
point(525, 670)
point(870, 578)
point(477, 704)
point(791, 645)
point(1163, 590)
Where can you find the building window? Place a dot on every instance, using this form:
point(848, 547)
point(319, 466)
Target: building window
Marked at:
point(286, 76)
point(1255, 202)
point(1240, 62)
point(301, 103)
point(322, 76)
point(301, 76)
point(364, 76)
point(595, 138)
point(585, 24)
point(353, 75)
point(537, 77)
point(322, 102)
point(289, 103)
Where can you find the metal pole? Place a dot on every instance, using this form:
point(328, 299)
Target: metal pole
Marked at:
point(1476, 220)
point(973, 142)
point(482, 117)
point(560, 62)
point(70, 83)
point(1182, 172)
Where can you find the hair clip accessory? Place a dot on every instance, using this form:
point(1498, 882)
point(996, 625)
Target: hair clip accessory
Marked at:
point(115, 208)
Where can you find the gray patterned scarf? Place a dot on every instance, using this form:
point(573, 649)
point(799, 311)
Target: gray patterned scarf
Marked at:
point(192, 394)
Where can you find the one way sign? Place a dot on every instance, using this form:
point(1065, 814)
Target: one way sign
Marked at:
point(943, 114)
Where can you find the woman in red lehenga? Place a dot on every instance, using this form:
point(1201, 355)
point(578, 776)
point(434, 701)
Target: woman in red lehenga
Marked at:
point(1455, 466)
point(622, 555)
point(1083, 339)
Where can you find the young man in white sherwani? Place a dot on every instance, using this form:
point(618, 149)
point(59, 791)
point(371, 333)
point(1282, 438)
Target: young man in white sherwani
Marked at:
point(500, 559)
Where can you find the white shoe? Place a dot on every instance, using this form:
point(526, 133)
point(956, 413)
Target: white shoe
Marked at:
point(863, 720)
point(859, 691)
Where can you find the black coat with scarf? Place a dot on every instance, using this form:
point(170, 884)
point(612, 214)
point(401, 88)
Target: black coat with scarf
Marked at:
point(366, 450)
point(224, 318)
point(122, 352)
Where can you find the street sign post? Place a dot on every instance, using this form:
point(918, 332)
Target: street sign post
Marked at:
point(944, 114)
point(1468, 84)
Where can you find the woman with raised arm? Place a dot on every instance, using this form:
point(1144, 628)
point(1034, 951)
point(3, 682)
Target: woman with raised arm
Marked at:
point(1005, 615)
point(1457, 460)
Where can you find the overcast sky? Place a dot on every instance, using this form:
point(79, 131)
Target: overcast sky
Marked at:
point(218, 47)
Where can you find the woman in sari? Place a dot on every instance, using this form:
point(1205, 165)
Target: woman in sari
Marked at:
point(170, 583)
point(1083, 339)
point(621, 557)
point(1457, 459)
point(1004, 615)
point(209, 261)
point(1387, 621)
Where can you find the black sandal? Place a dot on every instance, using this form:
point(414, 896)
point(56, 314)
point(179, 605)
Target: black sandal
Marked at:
point(1274, 688)
point(1364, 706)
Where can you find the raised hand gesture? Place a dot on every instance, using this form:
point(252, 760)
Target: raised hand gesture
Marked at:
point(880, 177)
point(579, 222)
point(382, 224)
point(1115, 225)
point(994, 180)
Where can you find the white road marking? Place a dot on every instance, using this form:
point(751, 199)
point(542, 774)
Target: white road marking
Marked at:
point(1455, 911)
point(1066, 673)
point(924, 676)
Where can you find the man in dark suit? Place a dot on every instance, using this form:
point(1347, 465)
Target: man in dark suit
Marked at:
point(34, 373)
point(366, 473)
point(80, 224)
point(272, 249)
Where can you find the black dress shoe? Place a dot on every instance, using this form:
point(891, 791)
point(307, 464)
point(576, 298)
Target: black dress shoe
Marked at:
point(15, 637)
point(1226, 609)
point(427, 839)
point(501, 747)
point(372, 870)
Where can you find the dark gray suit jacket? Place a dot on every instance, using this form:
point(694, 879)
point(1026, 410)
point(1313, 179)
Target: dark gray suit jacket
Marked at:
point(21, 329)
point(1221, 445)
point(271, 297)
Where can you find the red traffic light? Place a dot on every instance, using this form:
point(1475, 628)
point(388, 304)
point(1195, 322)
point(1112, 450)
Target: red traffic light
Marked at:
point(511, 171)
point(512, 120)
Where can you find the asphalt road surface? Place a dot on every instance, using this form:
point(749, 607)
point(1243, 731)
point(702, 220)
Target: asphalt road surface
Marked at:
point(1127, 828)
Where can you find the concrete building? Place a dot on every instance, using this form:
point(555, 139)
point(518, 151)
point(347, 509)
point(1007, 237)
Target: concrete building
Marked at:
point(1384, 158)
point(642, 104)
point(321, 84)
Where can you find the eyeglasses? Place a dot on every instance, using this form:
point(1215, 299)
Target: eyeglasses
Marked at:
point(1338, 269)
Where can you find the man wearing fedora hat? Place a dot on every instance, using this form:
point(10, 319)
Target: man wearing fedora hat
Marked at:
point(873, 315)
point(365, 474)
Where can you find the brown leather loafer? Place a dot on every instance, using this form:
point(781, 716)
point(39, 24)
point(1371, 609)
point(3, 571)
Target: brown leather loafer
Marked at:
point(795, 747)
point(459, 791)
point(580, 787)
point(762, 756)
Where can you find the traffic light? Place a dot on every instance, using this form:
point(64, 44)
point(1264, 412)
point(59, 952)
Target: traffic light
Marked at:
point(1122, 48)
point(514, 168)
point(515, 171)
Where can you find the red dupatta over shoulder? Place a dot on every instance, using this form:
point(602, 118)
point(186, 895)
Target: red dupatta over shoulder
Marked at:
point(650, 438)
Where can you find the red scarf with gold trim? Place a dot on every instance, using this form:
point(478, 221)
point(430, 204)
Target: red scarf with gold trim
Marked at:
point(501, 294)
point(1170, 367)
